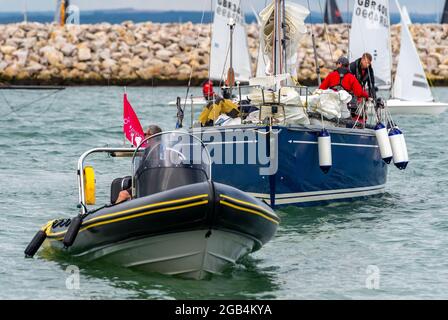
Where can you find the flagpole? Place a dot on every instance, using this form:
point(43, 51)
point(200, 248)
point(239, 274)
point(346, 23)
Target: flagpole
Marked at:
point(124, 134)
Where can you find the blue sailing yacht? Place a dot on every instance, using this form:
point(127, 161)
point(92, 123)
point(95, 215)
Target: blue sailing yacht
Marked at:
point(286, 152)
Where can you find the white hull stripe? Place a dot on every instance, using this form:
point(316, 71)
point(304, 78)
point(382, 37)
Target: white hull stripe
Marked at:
point(335, 144)
point(318, 193)
point(230, 142)
point(330, 197)
point(297, 142)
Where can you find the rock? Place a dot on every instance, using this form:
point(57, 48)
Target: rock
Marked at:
point(164, 55)
point(84, 54)
point(184, 70)
point(7, 49)
point(175, 61)
point(67, 49)
point(21, 55)
point(108, 64)
point(3, 65)
point(129, 39)
point(53, 56)
point(104, 54)
point(11, 71)
point(147, 73)
point(75, 74)
point(80, 66)
point(136, 63)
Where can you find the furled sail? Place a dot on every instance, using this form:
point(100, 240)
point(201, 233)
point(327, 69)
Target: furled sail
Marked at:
point(332, 13)
point(295, 29)
point(370, 33)
point(220, 44)
point(410, 80)
point(445, 13)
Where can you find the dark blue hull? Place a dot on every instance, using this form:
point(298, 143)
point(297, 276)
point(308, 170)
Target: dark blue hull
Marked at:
point(357, 169)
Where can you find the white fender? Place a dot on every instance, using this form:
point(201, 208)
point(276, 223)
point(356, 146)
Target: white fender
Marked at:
point(399, 149)
point(383, 142)
point(324, 149)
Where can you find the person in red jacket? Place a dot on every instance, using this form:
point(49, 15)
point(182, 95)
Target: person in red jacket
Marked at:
point(341, 78)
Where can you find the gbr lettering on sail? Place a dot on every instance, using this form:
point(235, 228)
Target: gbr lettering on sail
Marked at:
point(374, 11)
point(370, 33)
point(229, 9)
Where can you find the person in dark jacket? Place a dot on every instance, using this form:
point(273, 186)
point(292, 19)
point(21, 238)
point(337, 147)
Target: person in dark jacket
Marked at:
point(363, 71)
point(341, 78)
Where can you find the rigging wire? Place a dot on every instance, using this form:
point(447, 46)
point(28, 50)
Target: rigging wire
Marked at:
point(327, 36)
point(192, 67)
point(316, 62)
point(348, 30)
point(15, 109)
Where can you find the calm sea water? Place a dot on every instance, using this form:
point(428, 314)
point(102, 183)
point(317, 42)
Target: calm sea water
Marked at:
point(399, 240)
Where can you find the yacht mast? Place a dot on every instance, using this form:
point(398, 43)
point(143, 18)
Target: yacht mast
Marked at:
point(277, 45)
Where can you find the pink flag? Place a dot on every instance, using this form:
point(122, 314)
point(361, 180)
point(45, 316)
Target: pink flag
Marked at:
point(131, 125)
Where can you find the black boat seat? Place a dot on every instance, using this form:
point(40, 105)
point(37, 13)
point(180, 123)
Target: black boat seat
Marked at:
point(153, 180)
point(118, 185)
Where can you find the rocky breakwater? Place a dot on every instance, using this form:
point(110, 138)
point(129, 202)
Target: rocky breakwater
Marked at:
point(151, 53)
point(332, 41)
point(103, 54)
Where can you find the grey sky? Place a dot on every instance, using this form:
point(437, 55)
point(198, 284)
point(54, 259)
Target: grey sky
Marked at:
point(420, 6)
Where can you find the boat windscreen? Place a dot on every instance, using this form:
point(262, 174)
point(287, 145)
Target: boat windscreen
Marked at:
point(170, 160)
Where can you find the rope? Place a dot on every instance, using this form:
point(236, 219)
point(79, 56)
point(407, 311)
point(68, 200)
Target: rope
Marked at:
point(192, 67)
point(314, 46)
point(326, 33)
point(14, 109)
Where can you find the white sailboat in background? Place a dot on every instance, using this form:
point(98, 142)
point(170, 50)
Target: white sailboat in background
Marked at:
point(411, 92)
point(220, 43)
point(370, 32)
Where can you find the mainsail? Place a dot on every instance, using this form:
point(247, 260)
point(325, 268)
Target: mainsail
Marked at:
point(370, 32)
point(410, 80)
point(220, 44)
point(332, 13)
point(445, 13)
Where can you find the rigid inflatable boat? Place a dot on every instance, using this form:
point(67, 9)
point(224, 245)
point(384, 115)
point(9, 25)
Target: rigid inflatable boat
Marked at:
point(178, 222)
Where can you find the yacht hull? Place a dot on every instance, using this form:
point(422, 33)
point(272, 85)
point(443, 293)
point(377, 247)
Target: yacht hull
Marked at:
point(357, 169)
point(396, 106)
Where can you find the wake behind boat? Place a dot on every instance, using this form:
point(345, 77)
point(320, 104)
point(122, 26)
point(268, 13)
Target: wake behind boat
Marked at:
point(179, 221)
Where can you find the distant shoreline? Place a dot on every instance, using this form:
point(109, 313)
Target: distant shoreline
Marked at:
point(118, 16)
